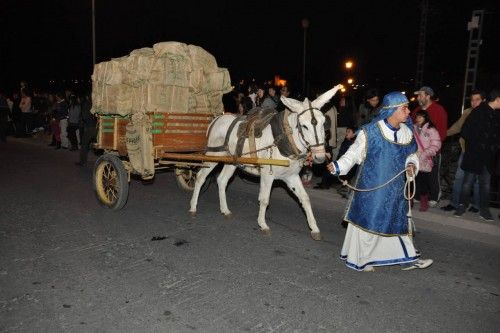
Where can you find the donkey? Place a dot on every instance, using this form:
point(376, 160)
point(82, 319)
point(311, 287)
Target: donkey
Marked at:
point(291, 135)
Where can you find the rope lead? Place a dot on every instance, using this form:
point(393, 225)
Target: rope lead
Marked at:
point(409, 192)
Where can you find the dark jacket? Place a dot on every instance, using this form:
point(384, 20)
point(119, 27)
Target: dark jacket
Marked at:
point(481, 132)
point(344, 146)
point(88, 119)
point(61, 110)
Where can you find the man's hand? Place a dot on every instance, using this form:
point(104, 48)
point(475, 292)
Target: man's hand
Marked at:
point(331, 168)
point(410, 170)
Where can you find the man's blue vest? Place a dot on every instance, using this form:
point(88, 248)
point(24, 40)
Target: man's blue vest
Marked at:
point(382, 211)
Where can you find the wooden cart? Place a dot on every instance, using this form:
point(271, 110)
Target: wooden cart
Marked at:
point(178, 140)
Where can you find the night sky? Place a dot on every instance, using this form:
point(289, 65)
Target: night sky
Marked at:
point(52, 39)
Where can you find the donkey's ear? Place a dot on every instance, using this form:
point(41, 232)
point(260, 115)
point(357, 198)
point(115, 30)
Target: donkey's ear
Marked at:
point(323, 99)
point(292, 104)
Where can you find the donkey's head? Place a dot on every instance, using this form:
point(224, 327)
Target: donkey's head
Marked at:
point(310, 122)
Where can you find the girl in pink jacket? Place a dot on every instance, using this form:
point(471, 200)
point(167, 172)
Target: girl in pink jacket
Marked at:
point(429, 144)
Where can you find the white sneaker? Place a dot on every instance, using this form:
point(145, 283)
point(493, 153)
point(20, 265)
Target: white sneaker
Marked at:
point(420, 263)
point(369, 269)
point(433, 203)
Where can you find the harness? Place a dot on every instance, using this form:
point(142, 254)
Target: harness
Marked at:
point(314, 122)
point(282, 133)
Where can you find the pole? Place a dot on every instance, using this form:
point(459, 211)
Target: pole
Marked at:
point(93, 32)
point(226, 159)
point(305, 25)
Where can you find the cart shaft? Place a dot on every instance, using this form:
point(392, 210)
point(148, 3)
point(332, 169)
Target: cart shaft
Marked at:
point(226, 159)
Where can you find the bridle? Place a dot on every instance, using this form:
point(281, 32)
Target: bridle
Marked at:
point(314, 122)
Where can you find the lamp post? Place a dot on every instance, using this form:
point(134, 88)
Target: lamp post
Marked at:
point(349, 65)
point(93, 32)
point(305, 25)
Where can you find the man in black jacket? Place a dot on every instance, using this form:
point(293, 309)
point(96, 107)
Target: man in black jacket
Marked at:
point(481, 132)
point(88, 128)
point(4, 117)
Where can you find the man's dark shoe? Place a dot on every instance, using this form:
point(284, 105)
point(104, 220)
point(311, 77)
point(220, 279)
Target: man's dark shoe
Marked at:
point(320, 186)
point(52, 144)
point(80, 164)
point(473, 209)
point(460, 211)
point(486, 216)
point(448, 208)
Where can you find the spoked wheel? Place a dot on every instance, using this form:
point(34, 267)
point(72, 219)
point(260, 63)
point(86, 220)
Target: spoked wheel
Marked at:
point(110, 181)
point(186, 177)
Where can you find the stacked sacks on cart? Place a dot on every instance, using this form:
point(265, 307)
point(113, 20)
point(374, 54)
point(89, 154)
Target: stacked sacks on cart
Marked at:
point(170, 77)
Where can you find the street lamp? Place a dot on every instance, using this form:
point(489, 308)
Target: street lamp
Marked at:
point(349, 64)
point(305, 25)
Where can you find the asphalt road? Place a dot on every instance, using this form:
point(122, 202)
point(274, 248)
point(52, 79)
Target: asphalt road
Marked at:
point(69, 265)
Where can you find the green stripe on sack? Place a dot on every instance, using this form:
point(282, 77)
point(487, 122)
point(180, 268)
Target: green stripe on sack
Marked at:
point(159, 116)
point(108, 124)
point(158, 124)
point(108, 130)
point(156, 131)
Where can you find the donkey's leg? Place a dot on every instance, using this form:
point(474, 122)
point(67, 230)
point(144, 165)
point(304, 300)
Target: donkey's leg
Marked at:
point(201, 176)
point(295, 184)
point(222, 180)
point(266, 182)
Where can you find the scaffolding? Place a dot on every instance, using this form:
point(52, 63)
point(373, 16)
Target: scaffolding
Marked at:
point(475, 27)
point(419, 77)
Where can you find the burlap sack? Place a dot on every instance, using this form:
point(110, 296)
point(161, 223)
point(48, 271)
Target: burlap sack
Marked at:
point(139, 143)
point(163, 98)
point(171, 69)
point(218, 81)
point(109, 72)
point(112, 99)
point(201, 59)
point(138, 67)
point(178, 48)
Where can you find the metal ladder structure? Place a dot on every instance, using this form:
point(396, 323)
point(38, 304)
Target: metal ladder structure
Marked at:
point(475, 27)
point(419, 77)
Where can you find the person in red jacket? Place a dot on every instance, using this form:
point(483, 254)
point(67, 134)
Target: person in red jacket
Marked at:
point(439, 118)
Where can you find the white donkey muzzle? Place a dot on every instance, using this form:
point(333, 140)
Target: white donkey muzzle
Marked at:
point(318, 153)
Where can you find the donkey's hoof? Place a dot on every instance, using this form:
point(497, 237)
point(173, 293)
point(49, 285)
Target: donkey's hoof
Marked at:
point(316, 236)
point(228, 215)
point(193, 214)
point(265, 232)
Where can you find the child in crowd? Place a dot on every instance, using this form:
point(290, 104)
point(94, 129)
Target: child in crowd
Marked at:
point(429, 143)
point(327, 178)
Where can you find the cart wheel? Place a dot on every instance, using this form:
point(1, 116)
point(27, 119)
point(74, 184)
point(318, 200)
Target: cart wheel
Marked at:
point(186, 178)
point(110, 182)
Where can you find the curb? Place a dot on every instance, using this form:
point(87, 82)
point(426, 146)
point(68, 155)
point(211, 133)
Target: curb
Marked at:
point(434, 215)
